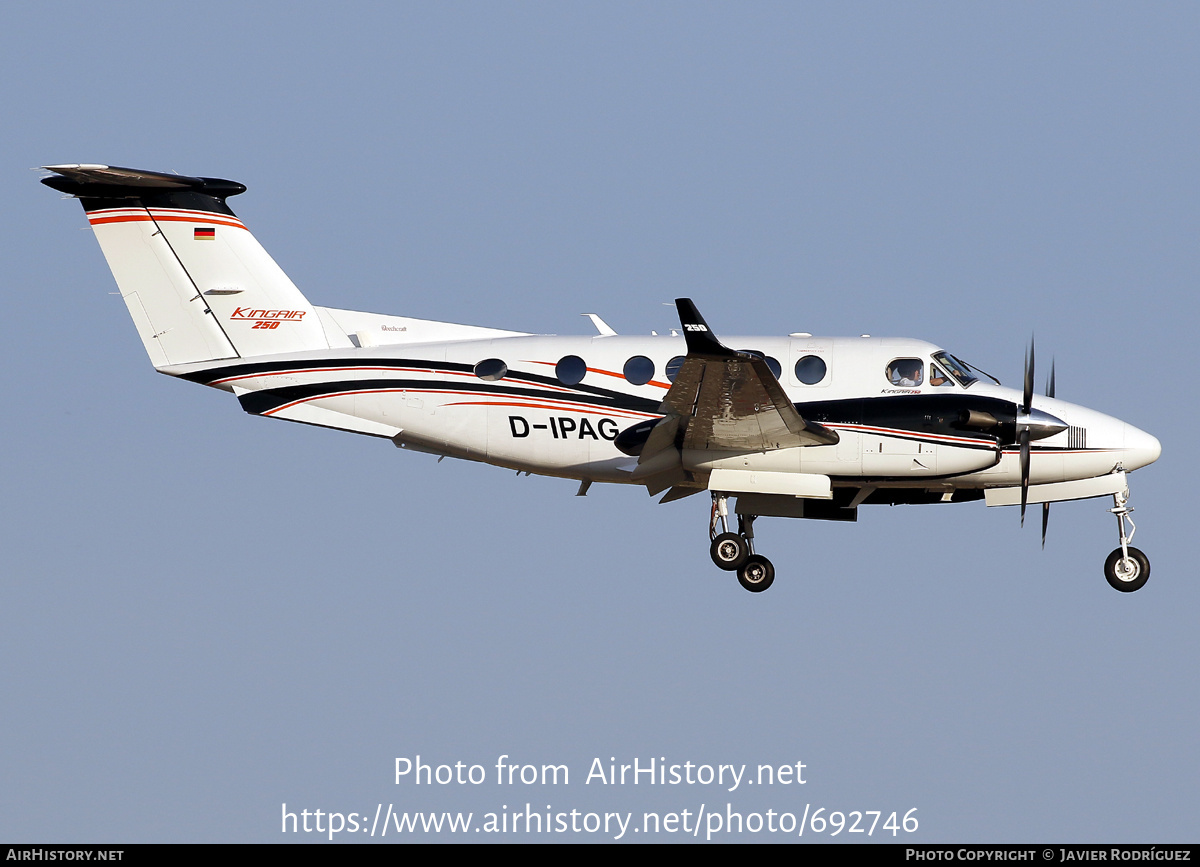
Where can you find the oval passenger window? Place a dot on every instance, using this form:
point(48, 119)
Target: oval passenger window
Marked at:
point(491, 369)
point(810, 369)
point(639, 370)
point(570, 370)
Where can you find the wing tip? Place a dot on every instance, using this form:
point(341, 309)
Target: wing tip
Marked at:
point(699, 337)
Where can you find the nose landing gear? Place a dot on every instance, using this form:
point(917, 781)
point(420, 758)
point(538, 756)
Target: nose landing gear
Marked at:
point(1127, 568)
point(734, 552)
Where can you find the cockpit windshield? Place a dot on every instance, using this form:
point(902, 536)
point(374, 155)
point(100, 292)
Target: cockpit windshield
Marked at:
point(962, 372)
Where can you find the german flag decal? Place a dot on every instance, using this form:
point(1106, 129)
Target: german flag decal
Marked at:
point(206, 234)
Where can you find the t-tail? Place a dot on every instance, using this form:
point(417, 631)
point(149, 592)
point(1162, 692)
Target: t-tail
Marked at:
point(197, 284)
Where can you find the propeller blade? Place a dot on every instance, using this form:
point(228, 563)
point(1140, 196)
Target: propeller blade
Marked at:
point(1045, 522)
point(1050, 381)
point(1024, 472)
point(1027, 399)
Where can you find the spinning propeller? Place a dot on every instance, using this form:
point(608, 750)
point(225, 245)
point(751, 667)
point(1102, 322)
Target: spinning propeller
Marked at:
point(1034, 424)
point(1046, 505)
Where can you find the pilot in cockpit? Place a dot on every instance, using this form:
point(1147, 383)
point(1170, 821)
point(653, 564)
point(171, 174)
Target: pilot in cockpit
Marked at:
point(906, 372)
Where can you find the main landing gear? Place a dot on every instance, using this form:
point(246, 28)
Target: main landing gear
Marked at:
point(734, 552)
point(1126, 568)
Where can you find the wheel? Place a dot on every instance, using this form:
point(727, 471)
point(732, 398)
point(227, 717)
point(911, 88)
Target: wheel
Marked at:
point(756, 574)
point(1127, 573)
point(729, 551)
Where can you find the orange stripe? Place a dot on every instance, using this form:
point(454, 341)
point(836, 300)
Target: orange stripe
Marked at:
point(605, 372)
point(164, 212)
point(601, 370)
point(592, 410)
point(292, 371)
point(146, 218)
point(550, 403)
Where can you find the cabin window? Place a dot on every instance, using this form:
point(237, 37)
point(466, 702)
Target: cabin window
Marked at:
point(906, 372)
point(491, 369)
point(672, 368)
point(811, 369)
point(570, 370)
point(639, 370)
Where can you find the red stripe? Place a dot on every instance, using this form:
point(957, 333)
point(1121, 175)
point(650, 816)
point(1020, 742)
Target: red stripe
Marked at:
point(907, 433)
point(291, 371)
point(146, 218)
point(601, 370)
point(557, 405)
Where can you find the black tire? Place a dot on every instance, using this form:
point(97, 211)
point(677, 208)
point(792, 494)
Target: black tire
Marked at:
point(729, 551)
point(1129, 574)
point(756, 574)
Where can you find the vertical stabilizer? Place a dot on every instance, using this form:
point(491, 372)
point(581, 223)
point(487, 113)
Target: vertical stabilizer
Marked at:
point(196, 282)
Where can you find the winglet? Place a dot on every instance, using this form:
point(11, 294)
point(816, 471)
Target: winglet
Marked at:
point(699, 337)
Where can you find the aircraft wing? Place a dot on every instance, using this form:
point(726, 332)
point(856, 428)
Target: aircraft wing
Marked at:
point(730, 400)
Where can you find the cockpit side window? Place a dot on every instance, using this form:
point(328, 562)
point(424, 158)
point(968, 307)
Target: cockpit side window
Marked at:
point(938, 378)
point(960, 370)
point(906, 372)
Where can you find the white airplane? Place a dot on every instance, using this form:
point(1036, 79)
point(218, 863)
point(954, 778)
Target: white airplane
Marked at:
point(796, 426)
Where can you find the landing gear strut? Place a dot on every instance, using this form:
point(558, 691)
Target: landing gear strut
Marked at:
point(1126, 568)
point(734, 552)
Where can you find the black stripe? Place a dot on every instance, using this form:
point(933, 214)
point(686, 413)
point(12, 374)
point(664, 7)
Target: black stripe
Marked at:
point(259, 402)
point(900, 434)
point(248, 368)
point(578, 393)
point(917, 415)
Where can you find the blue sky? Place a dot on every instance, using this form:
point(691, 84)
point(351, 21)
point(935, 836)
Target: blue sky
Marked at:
point(208, 615)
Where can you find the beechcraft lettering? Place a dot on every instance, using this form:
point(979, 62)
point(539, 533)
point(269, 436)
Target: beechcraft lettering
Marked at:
point(793, 426)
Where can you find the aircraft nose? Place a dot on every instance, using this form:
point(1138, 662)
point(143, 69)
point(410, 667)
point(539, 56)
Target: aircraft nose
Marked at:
point(1141, 448)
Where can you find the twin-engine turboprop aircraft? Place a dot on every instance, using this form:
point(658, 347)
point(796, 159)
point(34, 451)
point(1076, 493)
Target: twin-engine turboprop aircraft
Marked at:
point(797, 426)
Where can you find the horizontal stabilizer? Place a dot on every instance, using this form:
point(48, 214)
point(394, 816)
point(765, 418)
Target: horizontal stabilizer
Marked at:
point(115, 182)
